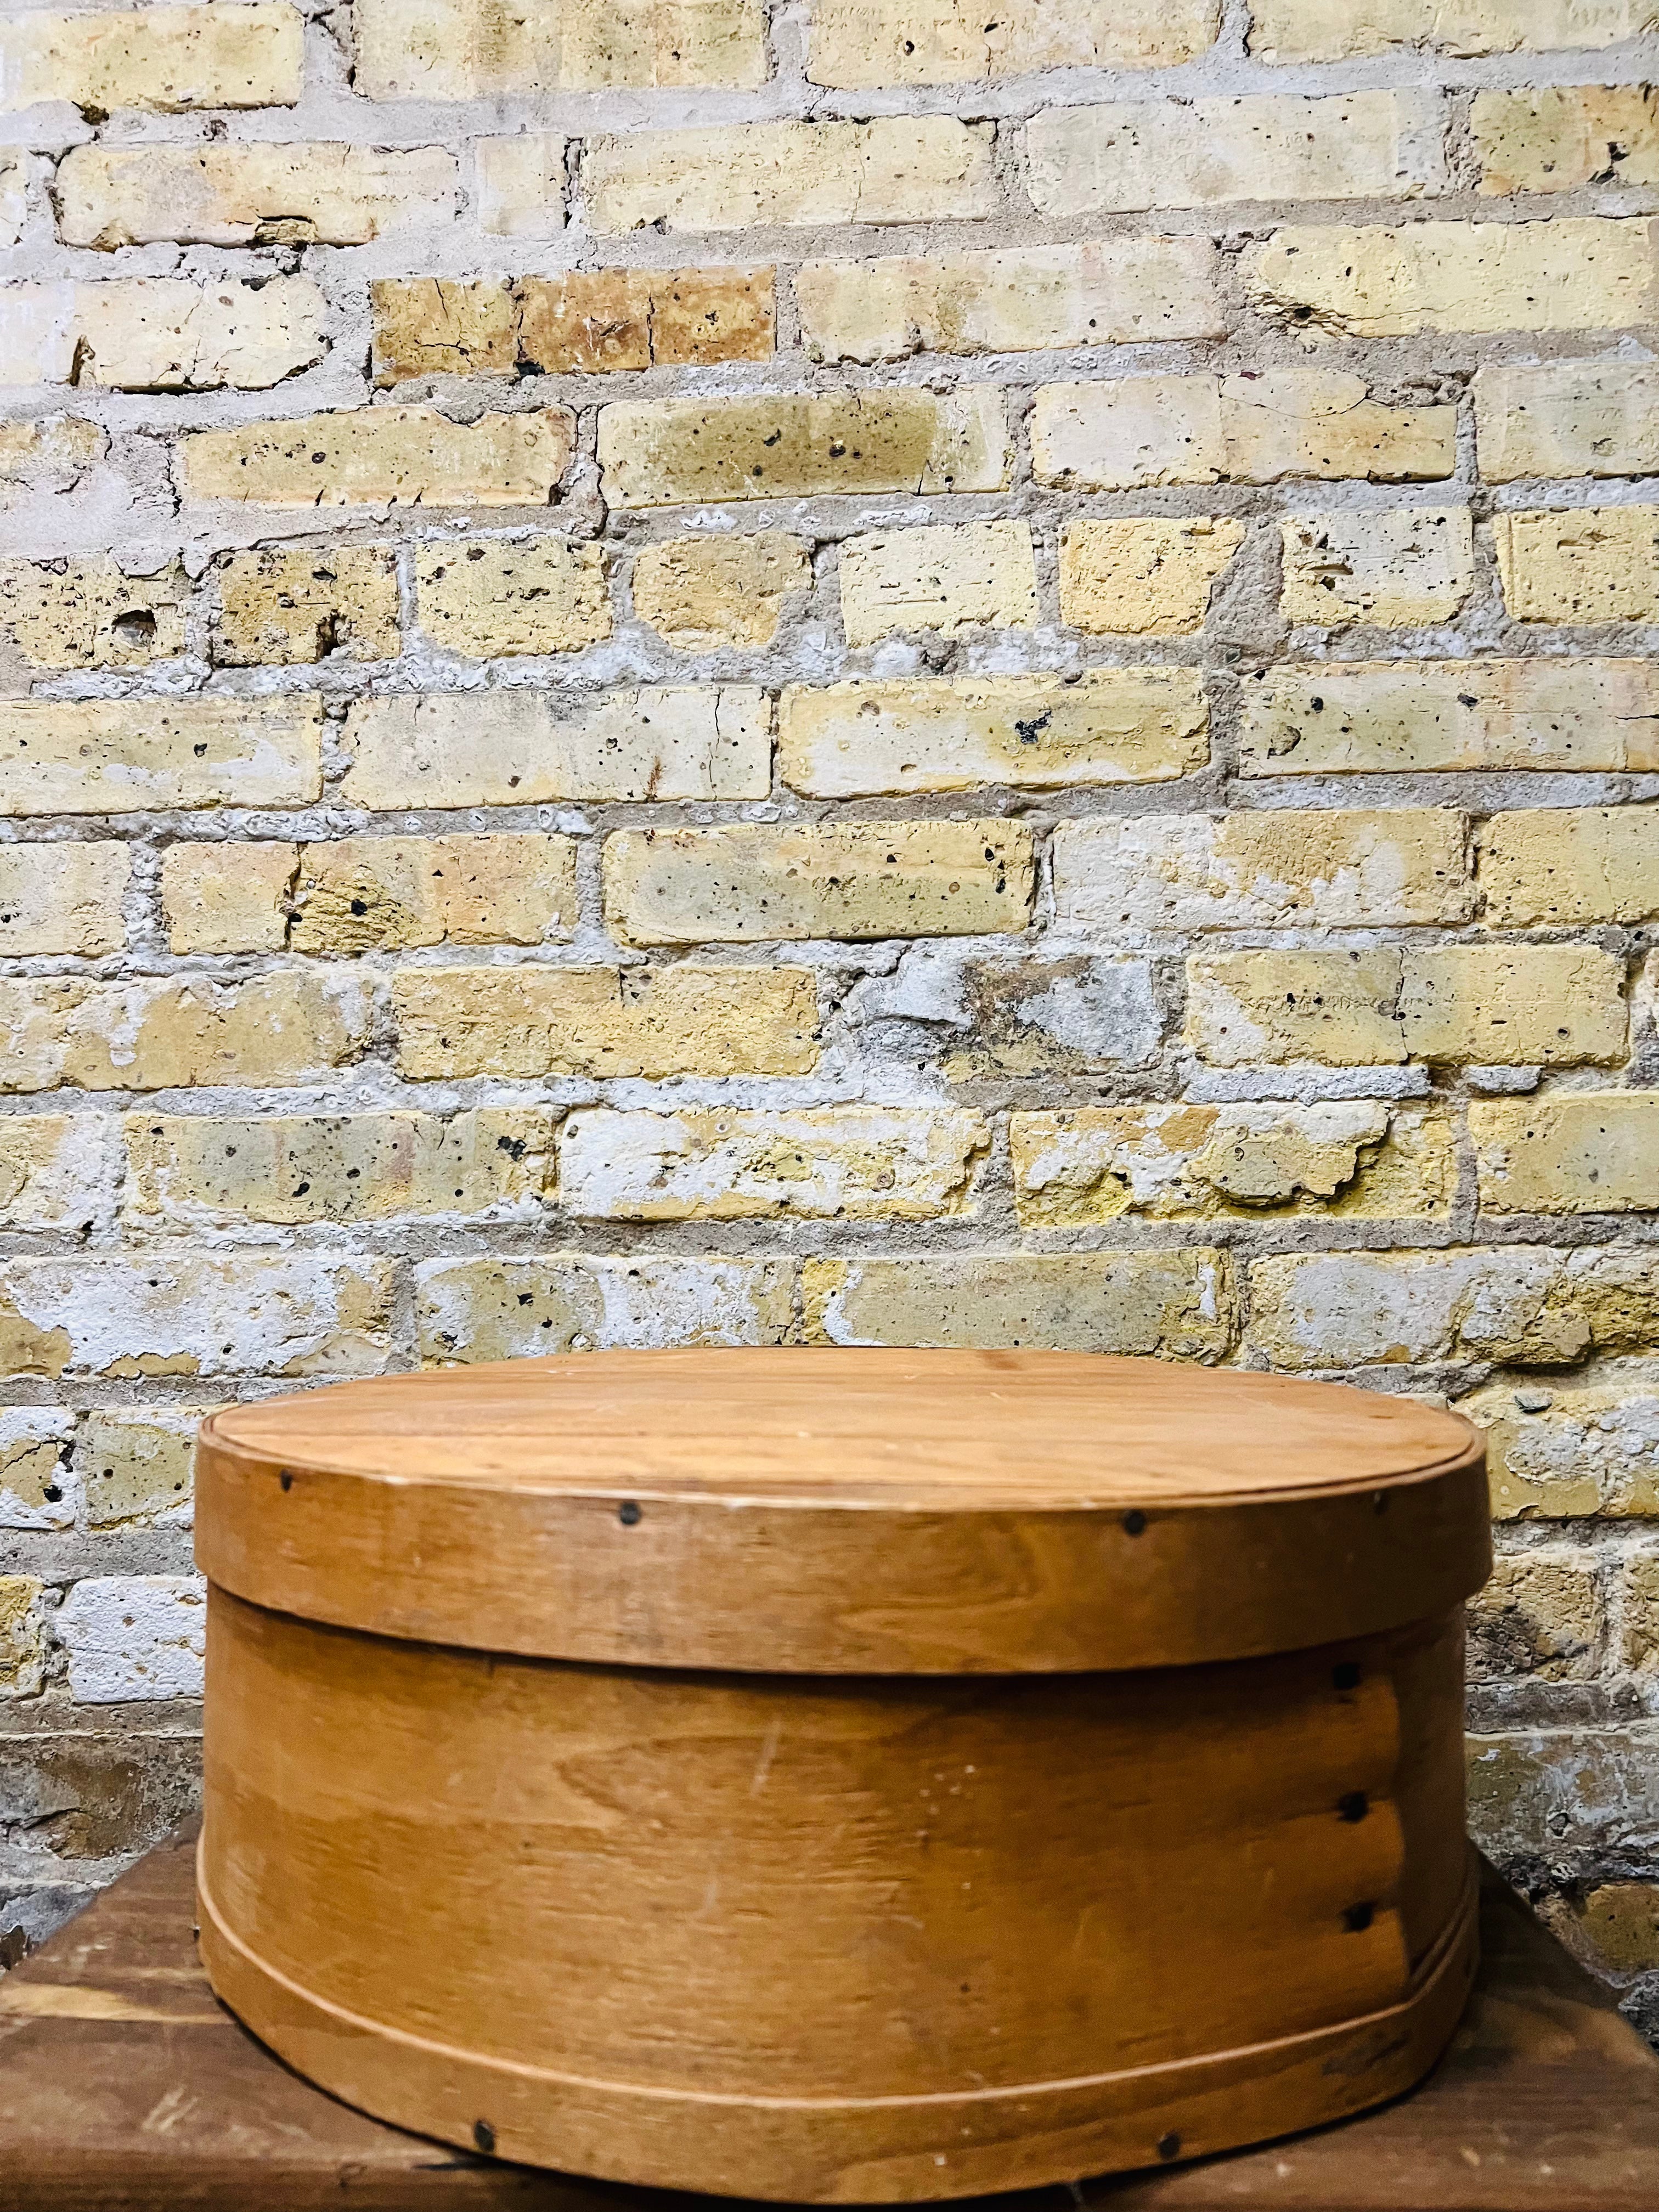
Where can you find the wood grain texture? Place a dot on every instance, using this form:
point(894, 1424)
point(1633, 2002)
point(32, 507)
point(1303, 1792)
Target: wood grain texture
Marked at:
point(842, 1511)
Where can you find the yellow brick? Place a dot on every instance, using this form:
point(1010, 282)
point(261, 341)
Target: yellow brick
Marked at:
point(1569, 418)
point(292, 604)
point(205, 1171)
point(470, 1309)
point(52, 453)
point(487, 596)
point(453, 1023)
point(162, 334)
point(1351, 1157)
point(1131, 291)
point(1397, 569)
point(521, 185)
point(899, 169)
point(1562, 1452)
point(227, 897)
point(953, 734)
point(1613, 1926)
point(57, 1171)
point(1551, 139)
point(138, 1469)
point(705, 593)
point(250, 195)
point(62, 898)
point(471, 49)
point(1126, 876)
point(1359, 717)
point(194, 1313)
point(168, 59)
point(166, 1034)
point(1135, 155)
point(1170, 1305)
point(378, 894)
point(1333, 30)
point(397, 456)
point(951, 577)
point(443, 327)
point(1140, 430)
point(855, 43)
point(1339, 1009)
point(1507, 1005)
point(1143, 577)
point(1576, 273)
point(838, 1163)
point(1550, 866)
point(86, 614)
point(126, 756)
point(598, 320)
point(1593, 564)
point(1575, 1151)
point(23, 1636)
point(750, 883)
point(667, 452)
point(1540, 1615)
point(519, 748)
point(37, 1490)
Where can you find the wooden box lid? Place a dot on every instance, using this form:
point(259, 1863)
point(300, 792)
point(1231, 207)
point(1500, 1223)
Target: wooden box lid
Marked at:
point(829, 1511)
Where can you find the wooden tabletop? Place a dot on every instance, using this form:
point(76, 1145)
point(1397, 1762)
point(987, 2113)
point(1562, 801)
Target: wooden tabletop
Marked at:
point(124, 2087)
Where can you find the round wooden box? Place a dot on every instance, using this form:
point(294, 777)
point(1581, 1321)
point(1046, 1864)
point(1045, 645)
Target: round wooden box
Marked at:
point(841, 1776)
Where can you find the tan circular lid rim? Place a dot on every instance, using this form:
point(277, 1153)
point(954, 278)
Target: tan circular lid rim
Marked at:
point(821, 1510)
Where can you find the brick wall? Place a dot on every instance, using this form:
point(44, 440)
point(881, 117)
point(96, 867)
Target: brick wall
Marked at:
point(683, 671)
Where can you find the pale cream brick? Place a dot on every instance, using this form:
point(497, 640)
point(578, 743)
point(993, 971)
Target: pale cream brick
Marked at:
point(227, 897)
point(598, 320)
point(250, 195)
point(1334, 30)
point(521, 185)
point(167, 1034)
point(1575, 1151)
point(1128, 292)
point(1273, 869)
point(1549, 139)
point(1396, 568)
point(288, 603)
point(1518, 1302)
point(1541, 1615)
point(1073, 1013)
point(1626, 1922)
point(133, 1640)
point(1569, 1450)
point(126, 756)
point(1549, 867)
point(703, 594)
point(837, 1163)
point(194, 1313)
point(38, 1490)
point(950, 577)
point(86, 614)
point(1338, 1009)
point(1576, 273)
point(1568, 418)
point(855, 43)
point(490, 596)
point(443, 327)
point(1509, 1006)
point(472, 1310)
point(1170, 1305)
point(928, 168)
point(161, 333)
point(518, 747)
point(202, 1171)
point(165, 58)
point(953, 734)
point(1140, 430)
point(13, 197)
point(1587, 564)
point(668, 452)
point(396, 456)
point(1356, 1157)
point(471, 49)
point(378, 894)
point(751, 883)
point(1138, 154)
point(56, 1170)
point(526, 1022)
point(1360, 718)
point(1143, 576)
point(23, 1636)
point(62, 898)
point(138, 1469)
point(51, 455)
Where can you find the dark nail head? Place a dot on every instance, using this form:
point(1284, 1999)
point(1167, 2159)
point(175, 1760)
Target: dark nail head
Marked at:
point(484, 2135)
point(1353, 1806)
point(1169, 2146)
point(629, 1514)
point(1134, 1523)
point(1358, 1917)
point(1345, 1676)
